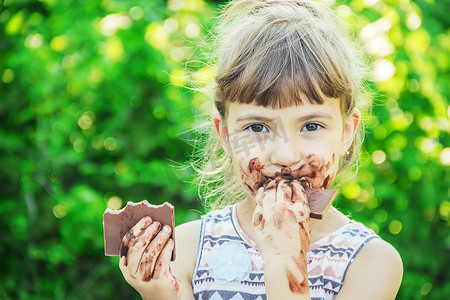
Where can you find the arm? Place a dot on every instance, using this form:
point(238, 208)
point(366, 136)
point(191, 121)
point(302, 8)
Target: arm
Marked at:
point(375, 274)
point(186, 248)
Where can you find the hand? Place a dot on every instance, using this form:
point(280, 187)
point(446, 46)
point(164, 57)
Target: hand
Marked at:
point(282, 229)
point(281, 218)
point(145, 261)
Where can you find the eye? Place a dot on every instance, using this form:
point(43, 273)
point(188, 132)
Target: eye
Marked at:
point(256, 127)
point(311, 127)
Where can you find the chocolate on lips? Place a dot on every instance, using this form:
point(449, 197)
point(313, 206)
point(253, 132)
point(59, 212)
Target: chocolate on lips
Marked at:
point(319, 200)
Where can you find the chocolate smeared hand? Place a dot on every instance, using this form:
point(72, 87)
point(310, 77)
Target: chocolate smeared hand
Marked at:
point(313, 175)
point(117, 224)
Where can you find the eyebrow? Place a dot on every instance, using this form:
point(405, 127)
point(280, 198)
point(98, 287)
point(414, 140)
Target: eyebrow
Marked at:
point(317, 115)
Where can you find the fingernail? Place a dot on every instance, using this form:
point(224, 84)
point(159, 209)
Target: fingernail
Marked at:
point(166, 228)
point(156, 224)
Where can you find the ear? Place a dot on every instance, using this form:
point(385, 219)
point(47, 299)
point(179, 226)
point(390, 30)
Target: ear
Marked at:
point(222, 132)
point(351, 124)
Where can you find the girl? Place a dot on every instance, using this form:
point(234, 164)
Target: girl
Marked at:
point(287, 87)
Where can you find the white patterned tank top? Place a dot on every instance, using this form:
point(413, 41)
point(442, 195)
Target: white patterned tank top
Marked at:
point(229, 267)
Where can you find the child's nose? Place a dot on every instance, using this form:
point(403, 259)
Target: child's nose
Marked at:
point(285, 154)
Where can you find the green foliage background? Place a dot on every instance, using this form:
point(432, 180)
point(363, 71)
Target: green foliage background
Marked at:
point(92, 116)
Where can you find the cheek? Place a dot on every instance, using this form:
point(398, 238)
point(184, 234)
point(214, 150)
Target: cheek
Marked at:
point(249, 172)
point(334, 162)
point(319, 171)
point(244, 146)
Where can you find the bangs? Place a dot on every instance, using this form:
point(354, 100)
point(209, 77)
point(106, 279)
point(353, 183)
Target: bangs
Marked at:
point(279, 69)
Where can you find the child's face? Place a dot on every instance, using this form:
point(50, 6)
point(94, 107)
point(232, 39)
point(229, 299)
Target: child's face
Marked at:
point(308, 139)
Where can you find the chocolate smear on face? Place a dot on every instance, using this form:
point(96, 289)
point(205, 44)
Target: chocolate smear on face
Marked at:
point(255, 179)
point(315, 175)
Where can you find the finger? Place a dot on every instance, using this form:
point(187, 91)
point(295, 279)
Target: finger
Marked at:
point(122, 263)
point(271, 185)
point(136, 230)
point(298, 193)
point(123, 269)
point(151, 253)
point(258, 196)
point(136, 249)
point(162, 265)
point(269, 197)
point(279, 194)
point(284, 192)
point(300, 199)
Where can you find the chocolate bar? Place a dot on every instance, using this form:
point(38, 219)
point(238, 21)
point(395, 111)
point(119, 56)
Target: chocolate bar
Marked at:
point(319, 201)
point(116, 223)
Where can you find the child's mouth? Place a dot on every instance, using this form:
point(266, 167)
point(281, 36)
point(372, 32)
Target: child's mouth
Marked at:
point(287, 176)
point(314, 175)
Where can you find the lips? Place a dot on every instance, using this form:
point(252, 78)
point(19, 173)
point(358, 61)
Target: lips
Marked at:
point(257, 177)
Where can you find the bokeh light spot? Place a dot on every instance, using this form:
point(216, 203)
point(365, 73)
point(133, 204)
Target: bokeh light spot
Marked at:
point(114, 49)
point(171, 25)
point(395, 226)
point(352, 191)
point(110, 144)
point(427, 145)
point(157, 36)
point(381, 216)
point(425, 289)
point(59, 211)
point(445, 156)
point(380, 132)
point(415, 173)
point(192, 30)
point(86, 120)
point(178, 77)
point(160, 112)
point(79, 145)
point(136, 12)
point(383, 70)
point(114, 202)
point(111, 23)
point(15, 23)
point(59, 43)
point(378, 157)
point(177, 54)
point(97, 142)
point(444, 209)
point(121, 168)
point(95, 76)
point(413, 21)
point(34, 41)
point(8, 76)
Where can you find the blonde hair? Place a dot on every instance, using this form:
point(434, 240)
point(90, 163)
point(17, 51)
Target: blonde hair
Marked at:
point(273, 53)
